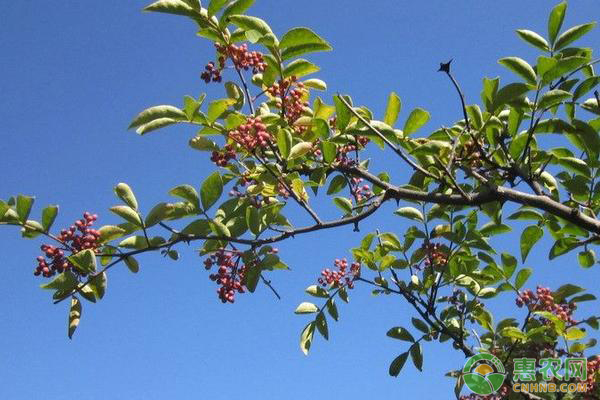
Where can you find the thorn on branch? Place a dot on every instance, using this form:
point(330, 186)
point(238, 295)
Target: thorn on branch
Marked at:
point(445, 67)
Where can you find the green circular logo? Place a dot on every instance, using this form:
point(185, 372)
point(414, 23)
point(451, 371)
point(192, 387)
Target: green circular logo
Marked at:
point(483, 373)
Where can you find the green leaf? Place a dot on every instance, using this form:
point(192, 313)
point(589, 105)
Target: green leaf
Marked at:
point(394, 105)
point(298, 41)
point(296, 51)
point(534, 39)
point(485, 318)
point(31, 229)
point(317, 291)
point(128, 214)
point(74, 316)
point(300, 36)
point(215, 5)
point(306, 308)
point(124, 192)
point(555, 20)
point(98, 284)
point(490, 88)
point(565, 291)
point(519, 67)
point(48, 216)
point(154, 114)
point(23, 207)
point(522, 277)
point(552, 98)
point(492, 228)
point(132, 264)
point(332, 309)
point(562, 246)
point(410, 213)
point(299, 68)
point(253, 220)
point(321, 323)
point(416, 353)
point(110, 232)
point(211, 190)
point(299, 190)
point(314, 83)
point(84, 261)
point(343, 204)
point(284, 142)
point(564, 66)
point(586, 86)
point(234, 92)
point(575, 334)
point(513, 332)
point(509, 93)
point(417, 118)
point(300, 149)
point(398, 363)
point(509, 264)
point(248, 23)
point(64, 283)
point(400, 333)
point(329, 151)
point(177, 7)
point(217, 108)
point(337, 183)
point(530, 236)
point(306, 337)
point(190, 107)
point(343, 113)
point(235, 7)
point(203, 144)
point(545, 64)
point(591, 105)
point(186, 192)
point(572, 34)
point(575, 165)
point(586, 258)
point(158, 213)
point(420, 325)
point(583, 297)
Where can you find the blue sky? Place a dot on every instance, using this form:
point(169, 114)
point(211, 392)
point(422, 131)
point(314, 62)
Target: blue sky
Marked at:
point(72, 76)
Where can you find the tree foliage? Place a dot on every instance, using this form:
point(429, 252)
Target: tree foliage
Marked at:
point(277, 145)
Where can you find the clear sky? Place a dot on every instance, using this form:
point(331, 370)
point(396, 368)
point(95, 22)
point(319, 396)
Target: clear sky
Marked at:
point(74, 73)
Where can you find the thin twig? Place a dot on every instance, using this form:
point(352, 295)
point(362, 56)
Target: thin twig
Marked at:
point(397, 150)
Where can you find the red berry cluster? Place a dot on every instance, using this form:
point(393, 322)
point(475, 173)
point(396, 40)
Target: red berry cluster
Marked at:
point(211, 73)
point(435, 256)
point(252, 134)
point(342, 157)
point(340, 277)
point(78, 237)
point(229, 274)
point(543, 300)
point(289, 94)
point(593, 366)
point(241, 57)
point(221, 158)
point(359, 191)
point(501, 395)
